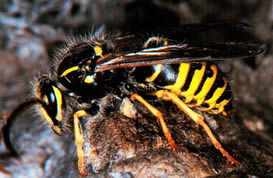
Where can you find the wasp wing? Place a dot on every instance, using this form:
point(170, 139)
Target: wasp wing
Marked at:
point(178, 53)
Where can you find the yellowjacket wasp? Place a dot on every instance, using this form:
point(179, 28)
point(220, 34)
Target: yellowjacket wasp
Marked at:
point(141, 67)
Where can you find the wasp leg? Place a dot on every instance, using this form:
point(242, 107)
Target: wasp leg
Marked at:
point(159, 116)
point(79, 140)
point(198, 119)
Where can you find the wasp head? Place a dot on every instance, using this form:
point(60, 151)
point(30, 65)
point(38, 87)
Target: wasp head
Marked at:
point(52, 103)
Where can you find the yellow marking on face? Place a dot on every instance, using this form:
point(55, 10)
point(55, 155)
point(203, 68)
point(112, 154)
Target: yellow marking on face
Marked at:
point(98, 50)
point(196, 80)
point(89, 79)
point(46, 117)
point(59, 116)
point(155, 74)
point(217, 94)
point(49, 121)
point(181, 78)
point(43, 112)
point(79, 140)
point(165, 43)
point(200, 97)
point(59, 100)
point(71, 69)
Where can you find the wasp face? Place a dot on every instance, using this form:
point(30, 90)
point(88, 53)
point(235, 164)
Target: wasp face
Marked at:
point(52, 107)
point(76, 69)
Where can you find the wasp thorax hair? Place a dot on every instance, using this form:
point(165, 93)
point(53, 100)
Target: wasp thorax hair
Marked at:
point(76, 70)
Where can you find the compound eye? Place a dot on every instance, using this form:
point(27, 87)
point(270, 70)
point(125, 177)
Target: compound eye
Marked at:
point(53, 104)
point(75, 70)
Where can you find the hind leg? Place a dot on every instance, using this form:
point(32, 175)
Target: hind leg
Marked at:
point(198, 119)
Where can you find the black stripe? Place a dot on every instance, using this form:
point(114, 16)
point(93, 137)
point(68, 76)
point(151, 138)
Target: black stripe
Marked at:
point(208, 73)
point(226, 95)
point(218, 83)
point(193, 67)
point(228, 107)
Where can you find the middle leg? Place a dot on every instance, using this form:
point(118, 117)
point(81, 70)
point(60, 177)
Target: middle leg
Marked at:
point(159, 116)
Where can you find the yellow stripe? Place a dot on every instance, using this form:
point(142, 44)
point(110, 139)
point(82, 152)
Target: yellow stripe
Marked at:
point(89, 79)
point(71, 69)
point(98, 51)
point(49, 121)
point(59, 100)
point(217, 94)
point(155, 74)
point(212, 101)
point(59, 115)
point(220, 106)
point(181, 78)
point(46, 117)
point(196, 80)
point(200, 97)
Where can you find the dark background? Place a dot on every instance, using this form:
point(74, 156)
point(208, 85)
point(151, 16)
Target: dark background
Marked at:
point(30, 32)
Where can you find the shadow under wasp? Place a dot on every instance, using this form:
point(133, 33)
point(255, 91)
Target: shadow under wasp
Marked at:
point(138, 66)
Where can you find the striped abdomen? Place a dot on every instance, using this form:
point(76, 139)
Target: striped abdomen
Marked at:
point(200, 85)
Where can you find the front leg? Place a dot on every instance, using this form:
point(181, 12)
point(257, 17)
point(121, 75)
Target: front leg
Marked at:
point(79, 140)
